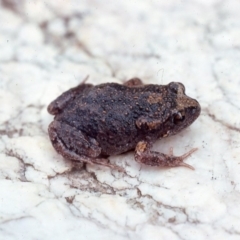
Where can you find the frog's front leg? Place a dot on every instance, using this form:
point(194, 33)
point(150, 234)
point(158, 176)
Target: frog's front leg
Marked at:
point(144, 155)
point(60, 103)
point(74, 145)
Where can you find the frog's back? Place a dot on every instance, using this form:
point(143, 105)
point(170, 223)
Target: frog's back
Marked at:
point(108, 113)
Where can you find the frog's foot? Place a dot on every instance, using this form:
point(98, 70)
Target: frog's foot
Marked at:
point(105, 162)
point(152, 158)
point(98, 161)
point(79, 160)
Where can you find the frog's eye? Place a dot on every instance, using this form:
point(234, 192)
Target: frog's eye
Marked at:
point(175, 86)
point(178, 118)
point(193, 110)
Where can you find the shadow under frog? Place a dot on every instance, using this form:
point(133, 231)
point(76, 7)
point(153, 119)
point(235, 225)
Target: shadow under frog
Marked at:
point(94, 122)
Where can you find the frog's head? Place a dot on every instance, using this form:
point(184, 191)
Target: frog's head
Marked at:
point(185, 111)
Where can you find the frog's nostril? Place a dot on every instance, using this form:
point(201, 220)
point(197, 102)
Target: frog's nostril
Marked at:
point(193, 110)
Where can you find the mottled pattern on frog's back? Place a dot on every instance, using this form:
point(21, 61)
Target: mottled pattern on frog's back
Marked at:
point(108, 113)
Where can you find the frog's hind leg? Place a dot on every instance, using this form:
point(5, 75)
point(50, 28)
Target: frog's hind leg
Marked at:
point(133, 82)
point(60, 102)
point(152, 158)
point(73, 145)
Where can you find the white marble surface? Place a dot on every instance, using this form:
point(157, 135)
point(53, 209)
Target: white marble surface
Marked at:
point(47, 47)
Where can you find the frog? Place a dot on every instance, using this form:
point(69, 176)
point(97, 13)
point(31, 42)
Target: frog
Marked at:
point(93, 122)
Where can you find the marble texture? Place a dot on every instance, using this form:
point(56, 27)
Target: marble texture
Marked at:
point(47, 47)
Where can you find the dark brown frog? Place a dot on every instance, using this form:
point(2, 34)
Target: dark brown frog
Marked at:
point(94, 122)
